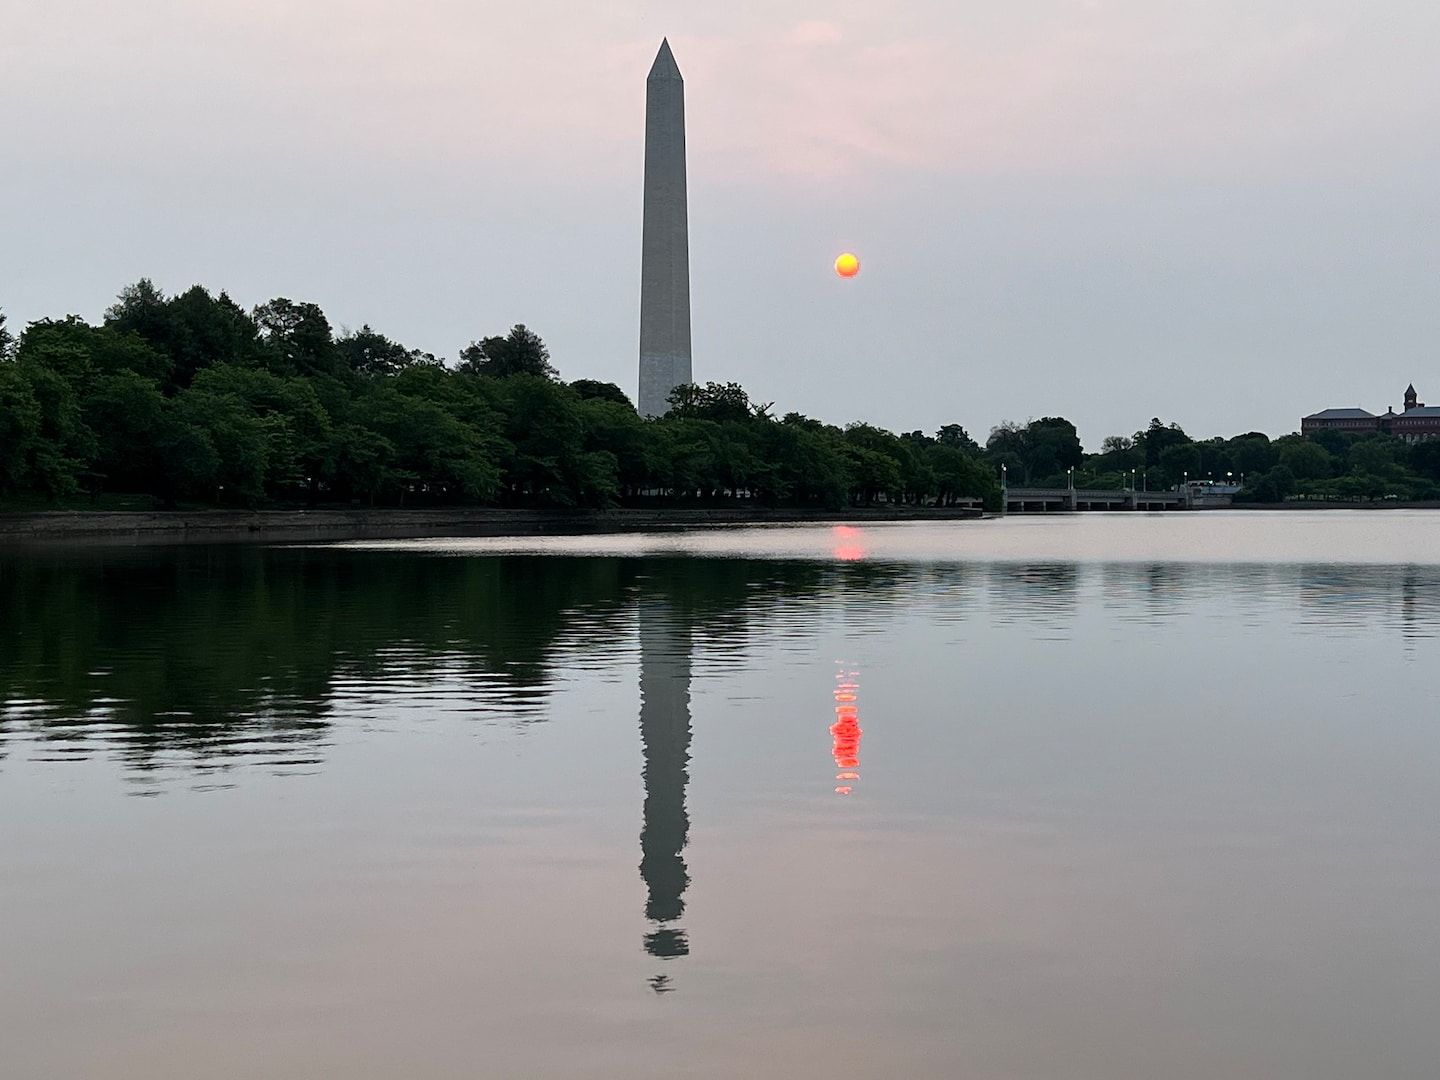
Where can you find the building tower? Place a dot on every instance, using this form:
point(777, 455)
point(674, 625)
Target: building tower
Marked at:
point(665, 253)
point(1412, 399)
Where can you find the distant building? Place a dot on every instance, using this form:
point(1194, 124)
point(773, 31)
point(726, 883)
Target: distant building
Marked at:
point(1416, 424)
point(1208, 494)
point(1360, 421)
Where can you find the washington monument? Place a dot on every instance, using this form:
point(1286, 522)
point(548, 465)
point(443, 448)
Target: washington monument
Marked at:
point(665, 254)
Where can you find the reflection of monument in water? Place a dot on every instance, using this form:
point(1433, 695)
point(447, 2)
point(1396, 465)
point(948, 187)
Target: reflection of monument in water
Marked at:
point(665, 740)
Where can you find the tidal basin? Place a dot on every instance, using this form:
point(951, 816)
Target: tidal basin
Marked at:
point(1112, 796)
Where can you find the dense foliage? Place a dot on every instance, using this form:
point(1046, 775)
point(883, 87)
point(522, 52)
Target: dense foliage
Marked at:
point(1331, 466)
point(192, 400)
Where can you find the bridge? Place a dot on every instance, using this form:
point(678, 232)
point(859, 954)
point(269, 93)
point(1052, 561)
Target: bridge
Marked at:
point(1042, 500)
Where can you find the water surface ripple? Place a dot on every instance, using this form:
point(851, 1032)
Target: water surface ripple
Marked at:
point(1110, 796)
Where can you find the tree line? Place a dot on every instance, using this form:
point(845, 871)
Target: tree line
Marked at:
point(190, 400)
point(1329, 466)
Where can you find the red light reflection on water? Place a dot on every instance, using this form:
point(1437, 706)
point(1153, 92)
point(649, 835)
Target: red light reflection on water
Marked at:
point(849, 543)
point(845, 732)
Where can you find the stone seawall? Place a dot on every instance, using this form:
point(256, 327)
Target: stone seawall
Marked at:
point(1371, 504)
point(292, 526)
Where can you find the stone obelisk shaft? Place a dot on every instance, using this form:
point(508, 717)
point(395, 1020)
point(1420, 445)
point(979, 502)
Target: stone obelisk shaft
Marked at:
point(665, 256)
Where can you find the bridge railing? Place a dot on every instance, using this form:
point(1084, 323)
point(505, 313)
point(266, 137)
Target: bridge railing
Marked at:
point(1092, 495)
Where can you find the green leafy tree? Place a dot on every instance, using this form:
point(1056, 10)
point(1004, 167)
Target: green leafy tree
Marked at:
point(61, 447)
point(142, 309)
point(359, 462)
point(434, 453)
point(959, 475)
point(520, 352)
point(720, 402)
point(544, 429)
point(80, 352)
point(1337, 444)
point(127, 414)
point(614, 428)
point(209, 330)
point(1251, 453)
point(1041, 450)
point(590, 389)
point(367, 352)
point(1277, 485)
point(1425, 459)
point(1054, 445)
point(1178, 459)
point(805, 464)
point(296, 425)
point(1306, 460)
point(218, 427)
point(1377, 456)
point(872, 474)
point(19, 429)
point(1155, 438)
point(1008, 447)
point(298, 337)
point(956, 437)
point(192, 331)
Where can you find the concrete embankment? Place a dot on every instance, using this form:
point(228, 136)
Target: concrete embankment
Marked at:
point(298, 526)
point(1370, 504)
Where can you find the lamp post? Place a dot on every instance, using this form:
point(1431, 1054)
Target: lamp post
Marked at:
point(1132, 481)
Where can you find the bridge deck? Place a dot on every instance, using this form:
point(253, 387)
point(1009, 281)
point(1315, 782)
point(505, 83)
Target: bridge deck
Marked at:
point(1020, 499)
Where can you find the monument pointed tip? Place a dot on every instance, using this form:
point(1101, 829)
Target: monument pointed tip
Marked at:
point(665, 66)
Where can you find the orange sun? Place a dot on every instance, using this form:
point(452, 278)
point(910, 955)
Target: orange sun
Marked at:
point(847, 265)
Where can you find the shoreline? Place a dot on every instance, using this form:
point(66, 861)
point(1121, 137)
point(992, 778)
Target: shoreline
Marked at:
point(158, 527)
point(1393, 504)
point(118, 527)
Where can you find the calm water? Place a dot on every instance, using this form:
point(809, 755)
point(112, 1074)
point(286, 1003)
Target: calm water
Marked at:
point(1098, 797)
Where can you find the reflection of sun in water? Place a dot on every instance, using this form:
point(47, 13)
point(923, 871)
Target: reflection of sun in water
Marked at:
point(848, 543)
point(845, 732)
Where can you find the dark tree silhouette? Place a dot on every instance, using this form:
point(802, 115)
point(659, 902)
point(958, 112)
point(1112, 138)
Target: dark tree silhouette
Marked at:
point(520, 352)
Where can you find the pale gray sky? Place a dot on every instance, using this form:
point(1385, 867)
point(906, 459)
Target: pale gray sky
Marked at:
point(1223, 212)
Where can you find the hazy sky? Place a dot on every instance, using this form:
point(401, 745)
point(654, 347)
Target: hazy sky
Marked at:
point(1223, 212)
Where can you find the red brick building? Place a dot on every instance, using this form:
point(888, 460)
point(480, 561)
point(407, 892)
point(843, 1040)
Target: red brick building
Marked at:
point(1416, 424)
